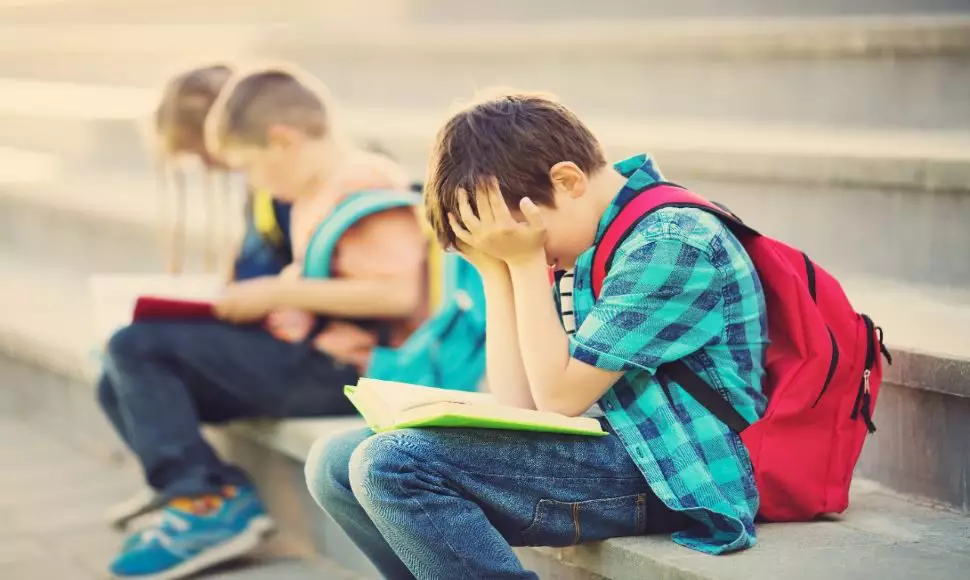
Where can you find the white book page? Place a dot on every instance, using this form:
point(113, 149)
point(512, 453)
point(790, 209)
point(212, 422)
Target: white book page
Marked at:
point(399, 397)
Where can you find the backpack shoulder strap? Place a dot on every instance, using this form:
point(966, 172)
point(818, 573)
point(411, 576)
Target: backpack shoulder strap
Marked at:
point(648, 200)
point(352, 209)
point(264, 217)
point(654, 197)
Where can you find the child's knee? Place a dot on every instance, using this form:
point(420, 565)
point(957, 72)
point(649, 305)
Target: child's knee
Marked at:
point(327, 468)
point(389, 463)
point(107, 397)
point(132, 342)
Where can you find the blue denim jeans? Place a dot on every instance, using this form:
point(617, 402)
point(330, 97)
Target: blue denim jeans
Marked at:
point(162, 380)
point(450, 503)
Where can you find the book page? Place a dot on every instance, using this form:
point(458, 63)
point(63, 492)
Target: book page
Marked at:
point(399, 397)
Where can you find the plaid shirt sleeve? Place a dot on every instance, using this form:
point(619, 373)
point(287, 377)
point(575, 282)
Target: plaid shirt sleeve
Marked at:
point(659, 303)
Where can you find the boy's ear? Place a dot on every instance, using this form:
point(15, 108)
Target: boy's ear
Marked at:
point(282, 136)
point(568, 179)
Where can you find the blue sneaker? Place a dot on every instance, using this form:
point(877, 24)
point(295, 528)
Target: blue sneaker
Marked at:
point(194, 534)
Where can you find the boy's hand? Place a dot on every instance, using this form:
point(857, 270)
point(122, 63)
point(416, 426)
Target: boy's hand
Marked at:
point(248, 301)
point(494, 231)
point(485, 264)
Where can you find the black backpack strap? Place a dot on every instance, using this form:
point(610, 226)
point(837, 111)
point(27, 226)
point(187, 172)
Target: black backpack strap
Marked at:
point(704, 394)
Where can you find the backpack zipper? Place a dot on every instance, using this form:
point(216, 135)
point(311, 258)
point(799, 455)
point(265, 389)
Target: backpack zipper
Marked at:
point(863, 399)
point(833, 365)
point(810, 273)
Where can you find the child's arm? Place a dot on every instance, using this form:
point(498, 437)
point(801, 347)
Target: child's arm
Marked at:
point(386, 297)
point(381, 261)
point(542, 340)
point(558, 382)
point(660, 302)
point(506, 374)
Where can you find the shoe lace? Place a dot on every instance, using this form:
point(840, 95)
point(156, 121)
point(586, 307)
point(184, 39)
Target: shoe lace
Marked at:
point(162, 533)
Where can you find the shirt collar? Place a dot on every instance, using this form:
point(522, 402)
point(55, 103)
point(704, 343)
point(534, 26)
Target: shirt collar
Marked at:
point(639, 171)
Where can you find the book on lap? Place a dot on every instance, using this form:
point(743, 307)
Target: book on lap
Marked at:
point(387, 406)
point(117, 300)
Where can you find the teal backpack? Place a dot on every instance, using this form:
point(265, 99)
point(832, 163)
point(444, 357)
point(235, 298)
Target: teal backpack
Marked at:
point(448, 349)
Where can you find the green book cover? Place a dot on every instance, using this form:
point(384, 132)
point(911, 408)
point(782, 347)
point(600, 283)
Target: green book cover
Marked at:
point(390, 406)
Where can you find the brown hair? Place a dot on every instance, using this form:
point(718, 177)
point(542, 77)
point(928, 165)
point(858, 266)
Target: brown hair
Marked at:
point(186, 100)
point(514, 137)
point(256, 100)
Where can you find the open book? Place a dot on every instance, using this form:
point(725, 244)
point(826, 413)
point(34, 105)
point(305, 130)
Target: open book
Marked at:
point(387, 406)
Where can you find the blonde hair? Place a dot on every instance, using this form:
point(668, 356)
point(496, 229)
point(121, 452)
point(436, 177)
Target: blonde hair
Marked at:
point(255, 100)
point(179, 129)
point(180, 116)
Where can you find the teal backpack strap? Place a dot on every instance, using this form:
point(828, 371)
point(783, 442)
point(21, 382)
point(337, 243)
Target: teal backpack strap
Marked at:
point(352, 209)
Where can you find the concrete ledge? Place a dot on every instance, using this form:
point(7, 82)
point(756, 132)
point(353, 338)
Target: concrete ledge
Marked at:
point(765, 38)
point(294, 437)
point(928, 372)
point(768, 38)
point(108, 122)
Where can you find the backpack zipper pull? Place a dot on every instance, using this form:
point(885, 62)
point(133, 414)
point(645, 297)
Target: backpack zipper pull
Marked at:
point(867, 402)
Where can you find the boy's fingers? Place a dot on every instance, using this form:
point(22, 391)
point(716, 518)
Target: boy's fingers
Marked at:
point(483, 202)
point(460, 232)
point(499, 209)
point(465, 211)
point(531, 213)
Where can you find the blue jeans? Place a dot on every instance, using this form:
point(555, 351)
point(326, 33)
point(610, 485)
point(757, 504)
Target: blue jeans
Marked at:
point(162, 380)
point(450, 503)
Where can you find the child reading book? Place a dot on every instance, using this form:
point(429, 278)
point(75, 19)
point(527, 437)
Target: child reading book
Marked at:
point(518, 183)
point(178, 127)
point(261, 358)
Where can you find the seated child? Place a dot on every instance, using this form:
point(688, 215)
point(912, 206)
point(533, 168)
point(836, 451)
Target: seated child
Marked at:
point(178, 124)
point(264, 356)
point(517, 183)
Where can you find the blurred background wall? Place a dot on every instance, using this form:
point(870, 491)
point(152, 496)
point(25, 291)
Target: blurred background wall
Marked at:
point(840, 126)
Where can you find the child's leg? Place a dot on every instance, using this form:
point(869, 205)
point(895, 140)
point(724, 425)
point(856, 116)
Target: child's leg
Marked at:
point(452, 502)
point(328, 478)
point(108, 400)
point(168, 378)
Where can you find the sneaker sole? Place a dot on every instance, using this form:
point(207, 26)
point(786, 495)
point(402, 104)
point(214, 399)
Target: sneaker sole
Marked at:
point(245, 541)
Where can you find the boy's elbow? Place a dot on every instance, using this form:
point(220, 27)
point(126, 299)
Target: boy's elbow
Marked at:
point(553, 403)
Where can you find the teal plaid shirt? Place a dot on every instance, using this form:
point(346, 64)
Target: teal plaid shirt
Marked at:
point(680, 286)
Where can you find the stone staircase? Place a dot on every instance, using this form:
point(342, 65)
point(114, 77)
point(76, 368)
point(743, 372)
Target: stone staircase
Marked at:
point(841, 127)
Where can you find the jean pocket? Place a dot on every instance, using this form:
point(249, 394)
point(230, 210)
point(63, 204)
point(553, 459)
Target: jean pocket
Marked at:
point(558, 523)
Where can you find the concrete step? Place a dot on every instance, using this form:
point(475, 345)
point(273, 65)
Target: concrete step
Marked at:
point(57, 529)
point(882, 535)
point(22, 12)
point(106, 126)
point(906, 72)
point(544, 11)
point(221, 11)
point(867, 72)
point(890, 232)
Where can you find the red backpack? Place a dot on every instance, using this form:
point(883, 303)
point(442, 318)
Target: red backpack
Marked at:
point(823, 368)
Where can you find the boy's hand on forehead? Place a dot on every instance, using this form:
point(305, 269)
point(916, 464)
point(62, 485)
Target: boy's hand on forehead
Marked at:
point(492, 230)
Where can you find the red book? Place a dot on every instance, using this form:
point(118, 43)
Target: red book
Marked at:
point(152, 308)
